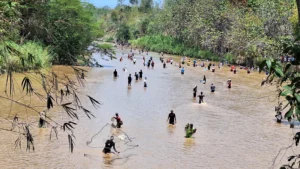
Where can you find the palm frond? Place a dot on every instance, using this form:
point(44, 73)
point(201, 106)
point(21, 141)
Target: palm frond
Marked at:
point(94, 102)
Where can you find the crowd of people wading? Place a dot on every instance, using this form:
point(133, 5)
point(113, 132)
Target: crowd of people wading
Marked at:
point(148, 61)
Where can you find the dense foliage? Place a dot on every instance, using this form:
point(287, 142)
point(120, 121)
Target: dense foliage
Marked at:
point(245, 31)
point(63, 28)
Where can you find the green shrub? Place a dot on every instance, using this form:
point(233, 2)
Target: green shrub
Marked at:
point(169, 45)
point(109, 39)
point(230, 58)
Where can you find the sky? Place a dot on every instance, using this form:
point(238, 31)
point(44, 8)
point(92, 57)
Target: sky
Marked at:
point(110, 3)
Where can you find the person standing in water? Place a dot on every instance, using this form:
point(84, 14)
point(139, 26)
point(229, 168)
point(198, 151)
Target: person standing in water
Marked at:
point(204, 79)
point(195, 63)
point(42, 119)
point(108, 145)
point(278, 117)
point(182, 70)
point(145, 82)
point(115, 73)
point(229, 83)
point(212, 88)
point(141, 74)
point(248, 70)
point(134, 61)
point(209, 65)
point(136, 76)
point(119, 121)
point(201, 96)
point(152, 63)
point(164, 65)
point(129, 80)
point(125, 68)
point(172, 118)
point(195, 91)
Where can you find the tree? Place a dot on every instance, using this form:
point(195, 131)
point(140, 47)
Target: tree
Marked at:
point(134, 2)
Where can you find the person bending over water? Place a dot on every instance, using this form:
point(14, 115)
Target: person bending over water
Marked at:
point(201, 96)
point(115, 73)
point(212, 88)
point(172, 118)
point(129, 80)
point(189, 130)
point(195, 91)
point(108, 145)
point(119, 121)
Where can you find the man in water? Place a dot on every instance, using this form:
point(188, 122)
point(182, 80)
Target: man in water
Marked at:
point(42, 119)
point(141, 74)
point(172, 118)
point(134, 61)
point(212, 88)
point(125, 67)
point(136, 76)
point(189, 130)
point(278, 117)
point(209, 65)
point(152, 63)
point(164, 65)
point(229, 83)
point(129, 80)
point(182, 70)
point(195, 91)
point(145, 82)
point(201, 96)
point(119, 121)
point(108, 145)
point(115, 73)
point(204, 79)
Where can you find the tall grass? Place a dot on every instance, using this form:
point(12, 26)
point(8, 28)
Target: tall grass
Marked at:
point(30, 55)
point(170, 45)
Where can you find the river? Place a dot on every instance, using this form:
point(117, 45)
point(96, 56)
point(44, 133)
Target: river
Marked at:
point(236, 128)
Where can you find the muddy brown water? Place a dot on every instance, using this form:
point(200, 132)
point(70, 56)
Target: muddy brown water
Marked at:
point(236, 128)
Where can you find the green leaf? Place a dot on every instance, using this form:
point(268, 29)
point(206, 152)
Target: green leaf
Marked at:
point(261, 66)
point(278, 72)
point(269, 63)
point(289, 113)
point(297, 96)
point(287, 67)
point(286, 93)
point(297, 110)
point(287, 87)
